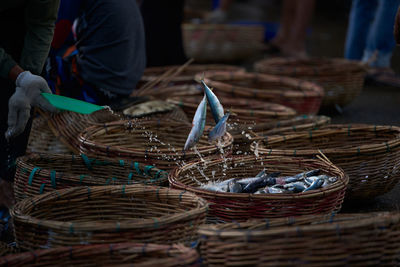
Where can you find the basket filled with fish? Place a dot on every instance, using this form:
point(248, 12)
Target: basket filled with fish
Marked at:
point(243, 187)
point(133, 254)
point(362, 239)
point(303, 96)
point(108, 214)
point(368, 154)
point(341, 79)
point(37, 174)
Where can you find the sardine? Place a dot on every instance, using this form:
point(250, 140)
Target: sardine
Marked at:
point(332, 179)
point(234, 187)
point(198, 124)
point(216, 108)
point(219, 130)
point(245, 181)
point(215, 188)
point(274, 190)
point(263, 181)
point(315, 185)
point(295, 187)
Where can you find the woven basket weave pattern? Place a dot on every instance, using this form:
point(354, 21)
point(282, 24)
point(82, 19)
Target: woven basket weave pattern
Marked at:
point(341, 240)
point(370, 155)
point(37, 174)
point(108, 214)
point(240, 206)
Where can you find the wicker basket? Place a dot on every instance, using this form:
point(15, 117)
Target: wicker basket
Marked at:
point(6, 250)
point(158, 143)
point(108, 214)
point(241, 206)
point(66, 126)
point(243, 112)
point(222, 42)
point(245, 135)
point(42, 139)
point(37, 174)
point(369, 155)
point(366, 239)
point(121, 254)
point(341, 79)
point(303, 96)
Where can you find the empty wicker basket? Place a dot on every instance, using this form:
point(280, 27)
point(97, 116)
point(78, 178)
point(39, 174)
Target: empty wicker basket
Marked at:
point(369, 155)
point(158, 143)
point(37, 174)
point(242, 206)
point(108, 214)
point(303, 96)
point(341, 79)
point(120, 254)
point(366, 239)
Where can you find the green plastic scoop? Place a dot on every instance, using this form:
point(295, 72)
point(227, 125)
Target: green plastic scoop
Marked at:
point(71, 104)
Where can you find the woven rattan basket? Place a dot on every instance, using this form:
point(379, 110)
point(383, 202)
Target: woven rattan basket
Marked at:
point(222, 42)
point(366, 239)
point(341, 79)
point(158, 143)
point(243, 112)
point(369, 155)
point(6, 250)
point(241, 206)
point(66, 126)
point(43, 140)
point(245, 135)
point(303, 96)
point(121, 254)
point(108, 214)
point(37, 174)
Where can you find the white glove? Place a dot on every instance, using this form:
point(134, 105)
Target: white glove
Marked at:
point(216, 16)
point(26, 96)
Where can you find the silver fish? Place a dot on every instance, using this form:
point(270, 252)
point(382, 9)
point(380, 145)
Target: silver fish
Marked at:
point(215, 188)
point(234, 187)
point(261, 173)
point(274, 190)
point(198, 124)
point(295, 187)
point(245, 181)
point(315, 185)
point(307, 174)
point(219, 130)
point(216, 108)
point(332, 179)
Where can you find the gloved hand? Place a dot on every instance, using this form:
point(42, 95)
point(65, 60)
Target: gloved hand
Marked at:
point(216, 16)
point(26, 96)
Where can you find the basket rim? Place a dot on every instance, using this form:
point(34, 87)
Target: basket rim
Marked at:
point(308, 89)
point(69, 250)
point(279, 65)
point(18, 210)
point(335, 187)
point(86, 141)
point(359, 221)
point(213, 26)
point(26, 160)
point(329, 130)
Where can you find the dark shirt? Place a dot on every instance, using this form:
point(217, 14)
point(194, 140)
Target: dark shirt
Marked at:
point(111, 45)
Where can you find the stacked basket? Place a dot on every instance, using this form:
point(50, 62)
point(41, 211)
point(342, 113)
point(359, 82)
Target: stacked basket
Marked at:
point(303, 96)
point(341, 79)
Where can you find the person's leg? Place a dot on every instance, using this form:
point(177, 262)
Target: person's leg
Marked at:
point(361, 16)
point(295, 45)
point(380, 40)
point(287, 14)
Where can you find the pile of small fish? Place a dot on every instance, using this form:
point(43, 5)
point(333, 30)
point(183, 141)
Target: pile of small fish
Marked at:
point(199, 119)
point(272, 183)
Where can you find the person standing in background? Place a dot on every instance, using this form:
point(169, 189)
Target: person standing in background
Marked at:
point(26, 28)
point(370, 38)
